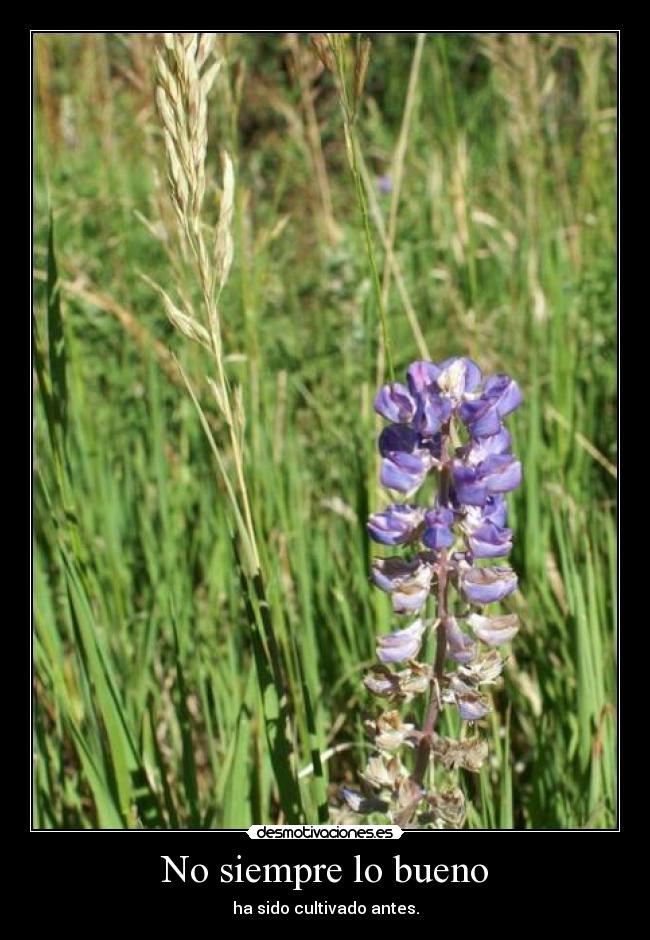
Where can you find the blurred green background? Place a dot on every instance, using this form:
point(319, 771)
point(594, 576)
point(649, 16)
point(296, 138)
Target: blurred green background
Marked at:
point(501, 151)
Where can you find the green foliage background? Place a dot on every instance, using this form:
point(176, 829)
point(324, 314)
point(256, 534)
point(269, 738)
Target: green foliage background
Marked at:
point(147, 709)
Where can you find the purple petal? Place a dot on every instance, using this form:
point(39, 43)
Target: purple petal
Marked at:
point(481, 448)
point(461, 648)
point(471, 706)
point(500, 473)
point(468, 485)
point(403, 637)
point(490, 541)
point(437, 537)
point(495, 510)
point(397, 525)
point(398, 437)
point(394, 403)
point(403, 472)
point(505, 392)
point(469, 373)
point(486, 585)
point(438, 533)
point(481, 416)
point(388, 572)
point(408, 582)
point(441, 515)
point(421, 375)
point(410, 594)
point(401, 645)
point(410, 598)
point(494, 630)
point(432, 412)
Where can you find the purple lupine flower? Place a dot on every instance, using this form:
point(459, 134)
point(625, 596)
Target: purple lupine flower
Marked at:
point(469, 514)
point(462, 648)
point(401, 645)
point(483, 414)
point(495, 510)
point(404, 473)
point(437, 533)
point(388, 572)
point(487, 585)
point(411, 596)
point(479, 449)
point(494, 630)
point(395, 403)
point(458, 377)
point(398, 438)
point(501, 473)
point(469, 487)
point(408, 582)
point(421, 376)
point(490, 541)
point(505, 392)
point(471, 705)
point(432, 412)
point(498, 473)
point(405, 464)
point(396, 525)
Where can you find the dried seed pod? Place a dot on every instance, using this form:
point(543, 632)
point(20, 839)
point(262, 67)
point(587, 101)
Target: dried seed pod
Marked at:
point(469, 754)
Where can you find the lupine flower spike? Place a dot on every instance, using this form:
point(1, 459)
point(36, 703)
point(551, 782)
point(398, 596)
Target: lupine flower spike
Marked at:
point(446, 422)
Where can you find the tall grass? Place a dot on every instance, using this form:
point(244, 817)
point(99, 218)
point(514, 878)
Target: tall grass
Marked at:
point(176, 685)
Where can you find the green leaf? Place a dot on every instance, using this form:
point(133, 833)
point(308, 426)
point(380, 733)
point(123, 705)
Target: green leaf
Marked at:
point(56, 337)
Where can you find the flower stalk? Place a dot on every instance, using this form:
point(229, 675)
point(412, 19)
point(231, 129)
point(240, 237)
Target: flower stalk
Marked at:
point(445, 424)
